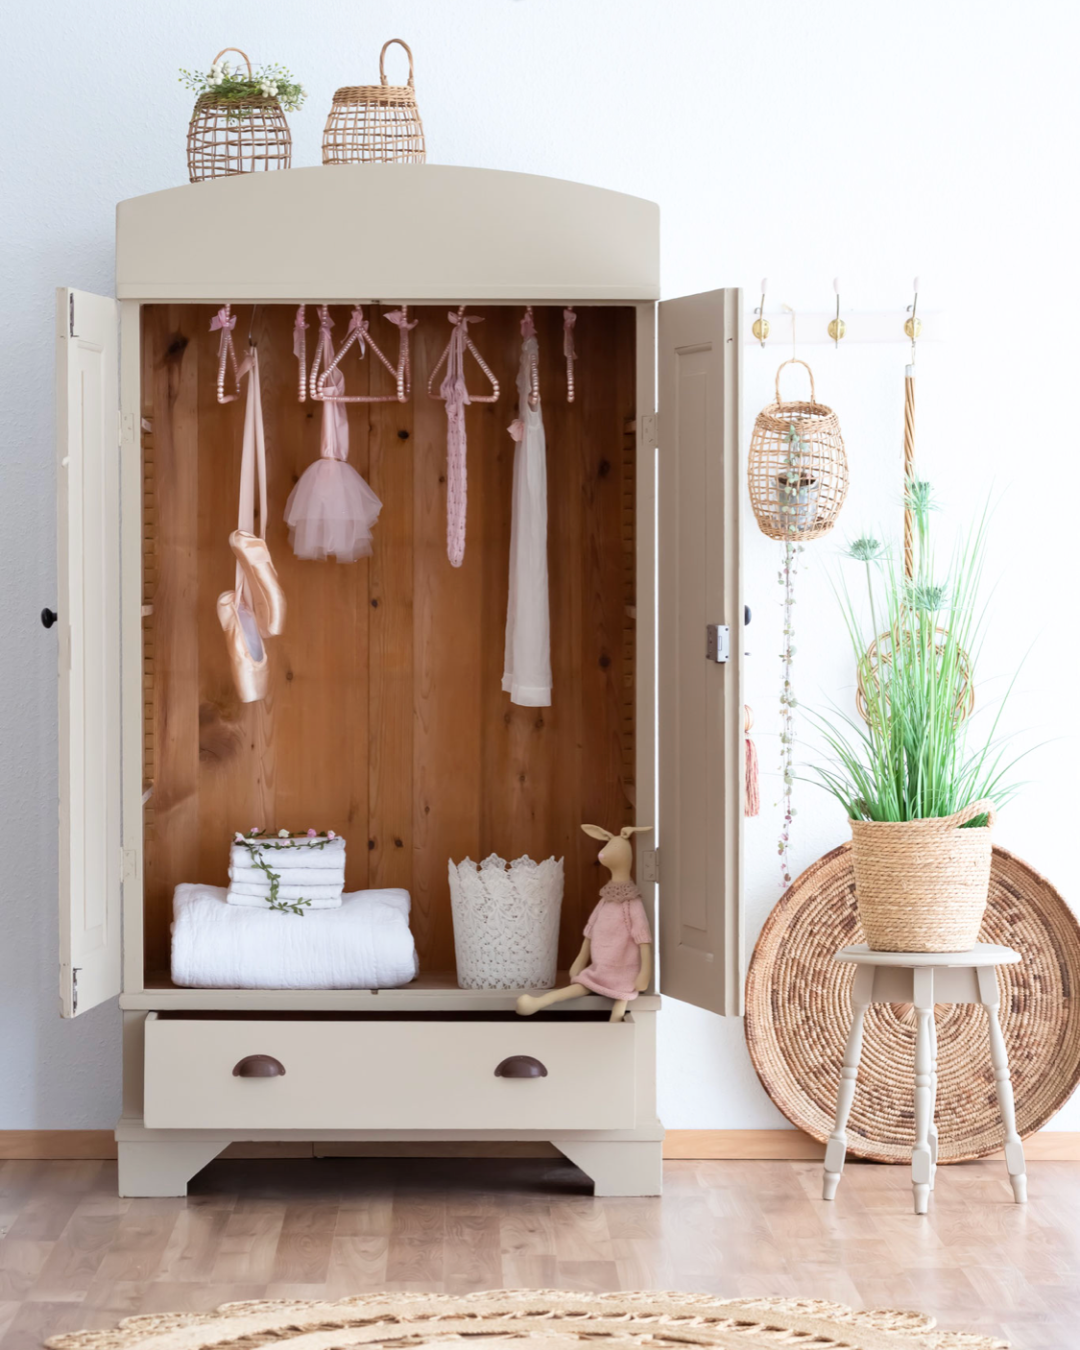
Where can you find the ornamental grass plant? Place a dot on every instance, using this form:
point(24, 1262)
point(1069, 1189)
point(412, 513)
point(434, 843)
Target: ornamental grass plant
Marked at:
point(916, 755)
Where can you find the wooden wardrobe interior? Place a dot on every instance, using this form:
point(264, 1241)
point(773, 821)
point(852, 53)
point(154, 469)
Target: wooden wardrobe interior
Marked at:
point(386, 720)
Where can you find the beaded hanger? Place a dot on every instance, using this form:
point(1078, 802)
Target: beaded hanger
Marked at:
point(359, 334)
point(528, 330)
point(461, 318)
point(223, 322)
point(569, 320)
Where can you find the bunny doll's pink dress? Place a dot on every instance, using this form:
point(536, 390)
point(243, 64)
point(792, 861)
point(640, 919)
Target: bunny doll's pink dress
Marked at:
point(616, 928)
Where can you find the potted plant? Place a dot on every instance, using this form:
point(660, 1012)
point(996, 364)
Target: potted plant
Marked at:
point(920, 787)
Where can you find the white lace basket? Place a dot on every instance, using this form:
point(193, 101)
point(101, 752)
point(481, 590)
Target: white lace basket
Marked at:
point(506, 922)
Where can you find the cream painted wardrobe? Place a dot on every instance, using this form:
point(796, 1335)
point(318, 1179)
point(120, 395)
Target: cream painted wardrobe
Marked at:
point(385, 719)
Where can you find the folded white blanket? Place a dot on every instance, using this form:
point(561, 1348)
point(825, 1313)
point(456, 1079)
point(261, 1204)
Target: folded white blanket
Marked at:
point(294, 852)
point(365, 943)
point(290, 876)
point(287, 892)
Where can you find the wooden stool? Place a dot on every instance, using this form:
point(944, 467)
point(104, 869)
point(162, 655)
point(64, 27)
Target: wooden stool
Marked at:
point(923, 979)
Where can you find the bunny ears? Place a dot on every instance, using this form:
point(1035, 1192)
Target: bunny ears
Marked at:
point(598, 832)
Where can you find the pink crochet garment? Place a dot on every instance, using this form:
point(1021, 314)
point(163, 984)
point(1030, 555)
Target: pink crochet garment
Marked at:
point(456, 397)
point(616, 928)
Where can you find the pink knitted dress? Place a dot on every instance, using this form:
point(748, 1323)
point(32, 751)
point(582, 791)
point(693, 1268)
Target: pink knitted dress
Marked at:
point(616, 927)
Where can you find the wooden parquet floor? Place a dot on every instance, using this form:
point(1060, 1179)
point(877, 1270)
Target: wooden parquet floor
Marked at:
point(74, 1255)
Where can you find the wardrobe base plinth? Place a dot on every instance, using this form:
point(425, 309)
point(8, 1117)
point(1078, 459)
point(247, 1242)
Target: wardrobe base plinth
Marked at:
point(158, 1168)
point(631, 1167)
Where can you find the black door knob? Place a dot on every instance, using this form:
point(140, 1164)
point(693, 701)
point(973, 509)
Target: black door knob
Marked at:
point(49, 617)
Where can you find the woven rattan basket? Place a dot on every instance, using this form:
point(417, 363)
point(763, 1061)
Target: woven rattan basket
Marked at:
point(375, 123)
point(231, 136)
point(797, 474)
point(798, 1014)
point(922, 884)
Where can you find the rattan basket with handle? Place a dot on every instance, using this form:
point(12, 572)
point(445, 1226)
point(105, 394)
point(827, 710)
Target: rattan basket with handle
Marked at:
point(797, 472)
point(236, 135)
point(375, 123)
point(922, 885)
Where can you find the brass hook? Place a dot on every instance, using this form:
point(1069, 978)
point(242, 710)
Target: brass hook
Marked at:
point(837, 327)
point(760, 327)
point(913, 326)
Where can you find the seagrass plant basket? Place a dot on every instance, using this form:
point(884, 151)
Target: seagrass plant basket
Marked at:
point(237, 135)
point(376, 123)
point(923, 885)
point(797, 472)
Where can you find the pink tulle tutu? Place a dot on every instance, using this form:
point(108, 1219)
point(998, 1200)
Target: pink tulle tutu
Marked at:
point(330, 512)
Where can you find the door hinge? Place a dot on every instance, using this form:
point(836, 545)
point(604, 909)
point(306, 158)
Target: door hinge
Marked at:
point(717, 642)
point(126, 429)
point(71, 314)
point(650, 864)
point(648, 431)
point(75, 989)
point(127, 865)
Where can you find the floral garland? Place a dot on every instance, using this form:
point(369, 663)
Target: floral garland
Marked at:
point(256, 844)
point(788, 702)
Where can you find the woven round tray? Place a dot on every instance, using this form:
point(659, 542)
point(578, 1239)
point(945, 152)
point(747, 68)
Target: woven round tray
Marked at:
point(798, 1013)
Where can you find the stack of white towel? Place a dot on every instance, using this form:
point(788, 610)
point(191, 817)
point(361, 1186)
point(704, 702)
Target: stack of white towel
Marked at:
point(310, 872)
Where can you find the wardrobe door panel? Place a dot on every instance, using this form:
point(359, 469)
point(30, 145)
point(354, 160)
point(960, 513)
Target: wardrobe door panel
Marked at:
point(88, 627)
point(700, 699)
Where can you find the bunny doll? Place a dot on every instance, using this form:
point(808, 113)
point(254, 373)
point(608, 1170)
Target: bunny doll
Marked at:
point(616, 956)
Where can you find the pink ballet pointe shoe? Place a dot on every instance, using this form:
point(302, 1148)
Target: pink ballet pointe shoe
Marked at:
point(267, 597)
point(247, 655)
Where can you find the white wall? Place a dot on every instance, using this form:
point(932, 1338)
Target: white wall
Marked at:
point(780, 137)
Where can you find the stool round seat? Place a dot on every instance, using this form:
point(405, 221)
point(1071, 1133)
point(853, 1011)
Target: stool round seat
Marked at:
point(982, 954)
point(925, 979)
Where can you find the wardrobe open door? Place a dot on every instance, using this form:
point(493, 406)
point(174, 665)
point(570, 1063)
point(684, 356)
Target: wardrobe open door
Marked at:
point(88, 629)
point(700, 623)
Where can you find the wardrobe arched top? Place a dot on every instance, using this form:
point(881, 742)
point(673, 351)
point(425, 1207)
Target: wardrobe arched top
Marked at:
point(389, 232)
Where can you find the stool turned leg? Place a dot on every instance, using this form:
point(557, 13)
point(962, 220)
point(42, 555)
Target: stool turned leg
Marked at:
point(922, 1156)
point(933, 1099)
point(999, 1058)
point(836, 1148)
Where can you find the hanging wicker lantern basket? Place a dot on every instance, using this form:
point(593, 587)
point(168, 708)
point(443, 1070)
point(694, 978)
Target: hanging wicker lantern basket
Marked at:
point(797, 474)
point(376, 123)
point(236, 135)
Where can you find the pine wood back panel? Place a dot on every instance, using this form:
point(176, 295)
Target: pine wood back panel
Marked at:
point(385, 719)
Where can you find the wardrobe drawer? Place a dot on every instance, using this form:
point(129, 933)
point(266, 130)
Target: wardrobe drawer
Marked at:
point(407, 1075)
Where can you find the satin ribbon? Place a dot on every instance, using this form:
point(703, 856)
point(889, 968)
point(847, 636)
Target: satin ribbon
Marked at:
point(358, 325)
point(569, 319)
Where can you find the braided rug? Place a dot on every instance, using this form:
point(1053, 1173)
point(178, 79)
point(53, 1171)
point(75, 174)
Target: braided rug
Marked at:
point(798, 1014)
point(531, 1320)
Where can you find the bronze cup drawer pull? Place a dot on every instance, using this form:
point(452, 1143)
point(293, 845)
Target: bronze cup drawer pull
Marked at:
point(259, 1066)
point(521, 1066)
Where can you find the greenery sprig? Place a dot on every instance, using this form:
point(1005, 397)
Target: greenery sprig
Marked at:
point(232, 84)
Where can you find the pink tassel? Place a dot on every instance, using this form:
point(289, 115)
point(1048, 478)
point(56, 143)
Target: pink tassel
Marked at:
point(752, 800)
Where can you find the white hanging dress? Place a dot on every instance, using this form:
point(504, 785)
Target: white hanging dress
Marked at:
point(527, 661)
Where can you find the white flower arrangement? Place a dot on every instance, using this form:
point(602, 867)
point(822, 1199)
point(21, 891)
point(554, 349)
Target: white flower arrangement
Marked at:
point(230, 84)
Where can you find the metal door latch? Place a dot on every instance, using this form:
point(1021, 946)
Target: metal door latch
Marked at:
point(717, 642)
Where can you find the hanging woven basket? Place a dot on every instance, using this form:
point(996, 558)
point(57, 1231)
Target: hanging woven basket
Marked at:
point(797, 474)
point(236, 135)
point(376, 123)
